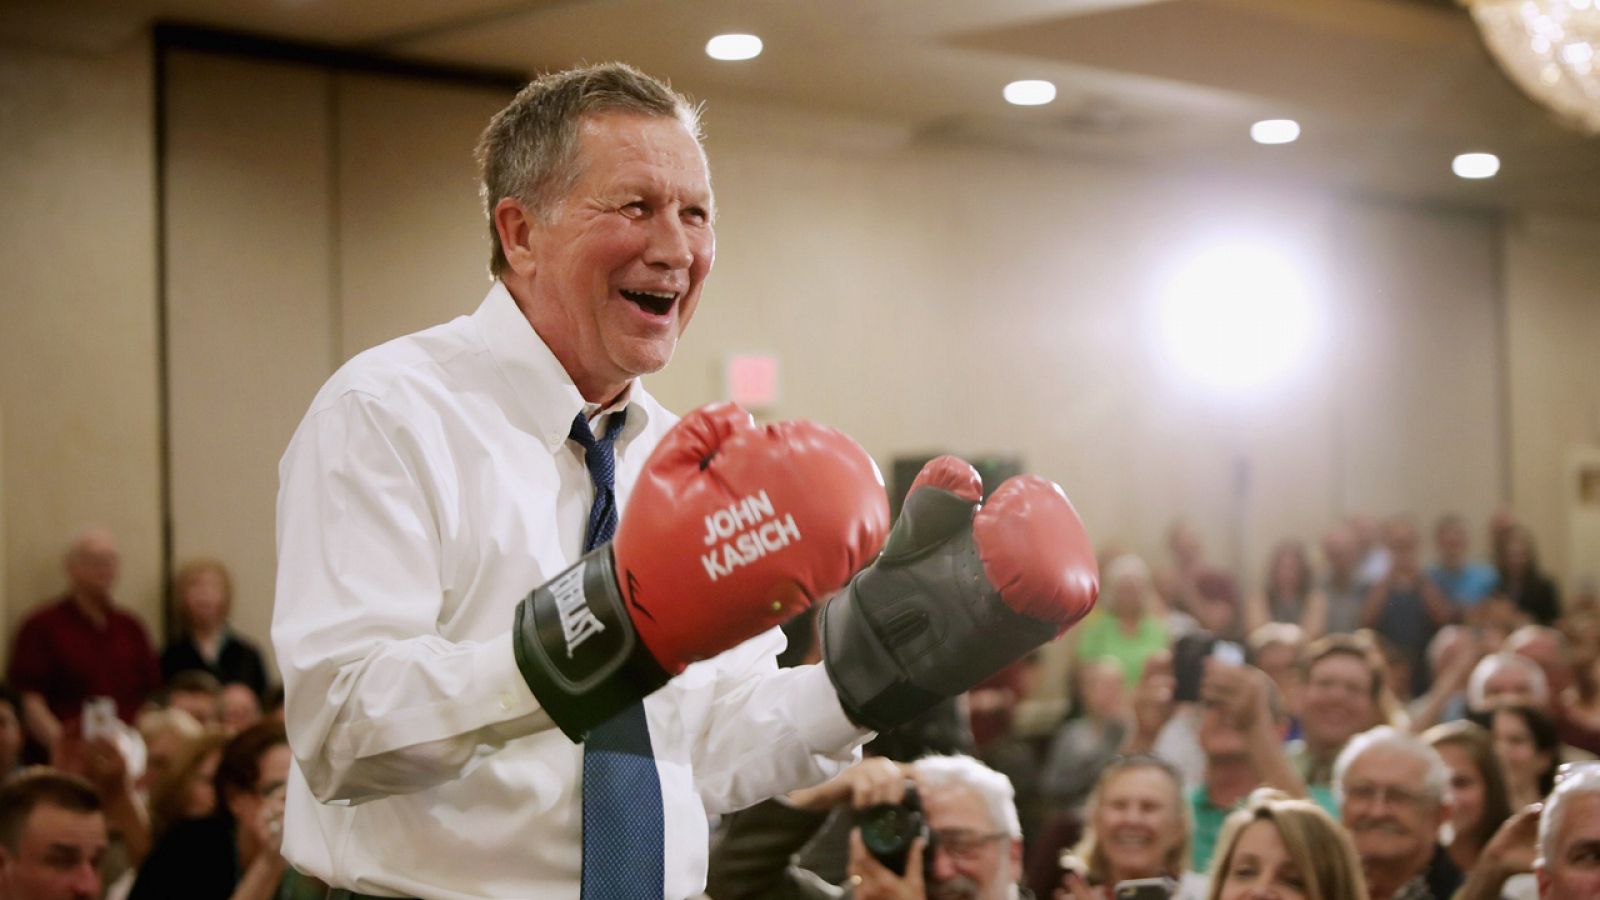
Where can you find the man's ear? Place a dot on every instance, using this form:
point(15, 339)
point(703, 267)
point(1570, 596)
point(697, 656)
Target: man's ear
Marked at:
point(516, 226)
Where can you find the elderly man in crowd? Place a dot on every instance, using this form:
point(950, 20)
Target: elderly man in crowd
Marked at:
point(1391, 787)
point(52, 836)
point(1568, 867)
point(82, 645)
point(975, 839)
point(1506, 679)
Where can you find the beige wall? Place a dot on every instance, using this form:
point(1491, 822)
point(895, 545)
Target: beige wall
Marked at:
point(1552, 286)
point(311, 214)
point(921, 298)
point(78, 372)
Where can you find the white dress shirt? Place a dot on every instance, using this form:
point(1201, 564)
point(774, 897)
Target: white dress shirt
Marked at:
point(430, 486)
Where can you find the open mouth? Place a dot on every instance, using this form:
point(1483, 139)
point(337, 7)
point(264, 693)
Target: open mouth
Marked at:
point(657, 303)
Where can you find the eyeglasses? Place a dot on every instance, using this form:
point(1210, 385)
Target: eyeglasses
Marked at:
point(1367, 792)
point(962, 844)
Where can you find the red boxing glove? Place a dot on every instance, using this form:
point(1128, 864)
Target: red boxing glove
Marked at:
point(731, 529)
point(959, 593)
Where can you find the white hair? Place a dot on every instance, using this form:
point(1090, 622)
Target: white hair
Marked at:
point(1581, 779)
point(1385, 737)
point(964, 771)
point(1494, 662)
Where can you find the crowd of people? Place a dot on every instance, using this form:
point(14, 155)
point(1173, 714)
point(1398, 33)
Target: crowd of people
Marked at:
point(1365, 726)
point(1381, 720)
point(132, 774)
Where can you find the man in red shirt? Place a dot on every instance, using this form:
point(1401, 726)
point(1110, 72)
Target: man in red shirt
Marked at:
point(82, 646)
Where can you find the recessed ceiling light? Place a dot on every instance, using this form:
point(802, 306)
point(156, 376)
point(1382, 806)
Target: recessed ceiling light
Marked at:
point(1030, 93)
point(1476, 165)
point(1275, 131)
point(733, 47)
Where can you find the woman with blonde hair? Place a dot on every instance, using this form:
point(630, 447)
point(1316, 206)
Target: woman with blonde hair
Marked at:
point(185, 791)
point(1290, 849)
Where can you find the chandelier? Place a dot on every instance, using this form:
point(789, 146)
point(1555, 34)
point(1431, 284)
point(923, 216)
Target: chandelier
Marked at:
point(1551, 49)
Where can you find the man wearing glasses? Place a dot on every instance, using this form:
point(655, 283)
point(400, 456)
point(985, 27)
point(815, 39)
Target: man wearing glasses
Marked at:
point(1391, 788)
point(973, 850)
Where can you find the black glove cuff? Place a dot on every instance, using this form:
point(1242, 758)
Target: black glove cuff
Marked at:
point(577, 648)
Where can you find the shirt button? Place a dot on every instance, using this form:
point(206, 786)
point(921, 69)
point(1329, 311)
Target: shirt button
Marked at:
point(505, 702)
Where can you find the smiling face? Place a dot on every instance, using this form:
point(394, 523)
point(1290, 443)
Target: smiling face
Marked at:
point(1337, 703)
point(1138, 822)
point(1388, 812)
point(614, 278)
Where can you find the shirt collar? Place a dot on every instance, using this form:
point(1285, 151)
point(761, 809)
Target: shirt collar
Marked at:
point(542, 386)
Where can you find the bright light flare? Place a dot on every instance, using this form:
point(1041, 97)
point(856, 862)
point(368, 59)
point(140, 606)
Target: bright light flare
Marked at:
point(1029, 93)
point(1475, 165)
point(1237, 316)
point(1275, 131)
point(733, 47)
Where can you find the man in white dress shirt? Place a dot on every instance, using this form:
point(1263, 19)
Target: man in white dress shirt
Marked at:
point(432, 484)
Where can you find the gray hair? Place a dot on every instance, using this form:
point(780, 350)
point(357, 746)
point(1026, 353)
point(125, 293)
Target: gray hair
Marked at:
point(530, 149)
point(1581, 779)
point(964, 771)
point(1389, 738)
point(1494, 662)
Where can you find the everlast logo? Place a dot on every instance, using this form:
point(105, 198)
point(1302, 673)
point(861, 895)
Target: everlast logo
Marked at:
point(743, 532)
point(578, 623)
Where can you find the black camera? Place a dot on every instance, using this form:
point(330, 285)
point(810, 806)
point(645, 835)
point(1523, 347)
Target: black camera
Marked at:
point(889, 829)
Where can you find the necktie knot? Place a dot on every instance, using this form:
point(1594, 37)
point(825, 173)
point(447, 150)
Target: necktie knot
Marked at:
point(601, 461)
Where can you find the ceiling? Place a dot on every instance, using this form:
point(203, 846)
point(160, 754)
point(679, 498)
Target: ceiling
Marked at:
point(1386, 91)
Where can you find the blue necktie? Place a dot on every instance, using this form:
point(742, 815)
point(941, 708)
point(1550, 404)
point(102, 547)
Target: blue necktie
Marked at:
point(623, 843)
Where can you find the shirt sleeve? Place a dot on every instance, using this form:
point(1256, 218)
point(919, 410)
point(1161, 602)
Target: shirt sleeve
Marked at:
point(30, 660)
point(376, 701)
point(770, 730)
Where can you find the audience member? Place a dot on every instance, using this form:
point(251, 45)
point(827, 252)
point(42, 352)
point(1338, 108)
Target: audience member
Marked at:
point(1085, 744)
point(198, 693)
point(1568, 866)
point(1529, 752)
point(52, 837)
point(1124, 626)
point(1453, 654)
point(186, 790)
point(1176, 582)
point(233, 853)
point(1341, 581)
point(1464, 581)
point(1343, 697)
point(1404, 607)
point(165, 732)
point(203, 597)
point(104, 761)
point(1551, 651)
point(1241, 733)
point(1371, 550)
point(1506, 678)
point(1285, 849)
point(81, 646)
point(1216, 608)
point(1289, 593)
point(976, 840)
point(1391, 789)
point(1580, 701)
point(241, 707)
point(1275, 649)
point(1477, 793)
point(1521, 578)
point(1137, 829)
